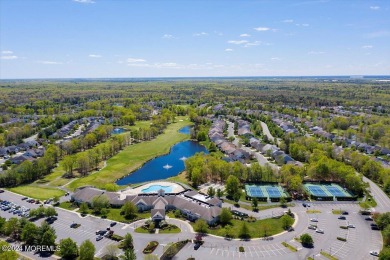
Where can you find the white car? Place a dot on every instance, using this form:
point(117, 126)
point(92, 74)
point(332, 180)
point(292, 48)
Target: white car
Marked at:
point(320, 231)
point(374, 253)
point(314, 220)
point(351, 226)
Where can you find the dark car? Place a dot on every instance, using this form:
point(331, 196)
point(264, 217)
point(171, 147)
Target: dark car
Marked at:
point(369, 218)
point(374, 226)
point(304, 204)
point(112, 224)
point(1, 191)
point(196, 246)
point(24, 198)
point(73, 225)
point(342, 217)
point(290, 229)
point(345, 213)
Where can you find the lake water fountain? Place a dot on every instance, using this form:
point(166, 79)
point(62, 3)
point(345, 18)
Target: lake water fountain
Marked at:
point(183, 158)
point(167, 166)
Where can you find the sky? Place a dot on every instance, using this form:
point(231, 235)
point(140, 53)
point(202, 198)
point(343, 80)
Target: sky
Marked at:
point(203, 38)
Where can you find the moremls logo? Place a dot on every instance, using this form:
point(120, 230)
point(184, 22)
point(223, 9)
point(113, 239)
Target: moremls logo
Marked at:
point(29, 248)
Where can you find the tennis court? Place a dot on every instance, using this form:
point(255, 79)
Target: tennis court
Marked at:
point(265, 191)
point(328, 191)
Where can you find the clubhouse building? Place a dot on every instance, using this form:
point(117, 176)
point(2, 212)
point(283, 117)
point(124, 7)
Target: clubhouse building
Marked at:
point(159, 197)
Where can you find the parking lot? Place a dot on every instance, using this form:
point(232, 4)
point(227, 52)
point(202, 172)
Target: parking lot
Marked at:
point(89, 225)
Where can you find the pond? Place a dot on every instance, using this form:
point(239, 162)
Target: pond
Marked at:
point(185, 130)
point(165, 166)
point(117, 131)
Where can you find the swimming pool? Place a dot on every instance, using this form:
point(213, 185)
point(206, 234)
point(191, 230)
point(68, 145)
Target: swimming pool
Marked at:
point(155, 188)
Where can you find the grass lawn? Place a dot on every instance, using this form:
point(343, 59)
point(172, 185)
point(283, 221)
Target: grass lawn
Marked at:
point(180, 178)
point(312, 211)
point(38, 192)
point(67, 205)
point(173, 230)
point(328, 255)
point(259, 228)
point(132, 157)
point(115, 215)
point(337, 211)
point(292, 248)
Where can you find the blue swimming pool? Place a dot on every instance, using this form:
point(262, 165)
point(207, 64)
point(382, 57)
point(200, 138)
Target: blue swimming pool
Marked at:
point(155, 188)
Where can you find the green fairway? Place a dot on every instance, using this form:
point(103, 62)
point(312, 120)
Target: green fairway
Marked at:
point(132, 157)
point(38, 192)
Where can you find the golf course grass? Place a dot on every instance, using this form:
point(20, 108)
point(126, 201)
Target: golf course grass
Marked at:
point(134, 156)
point(38, 192)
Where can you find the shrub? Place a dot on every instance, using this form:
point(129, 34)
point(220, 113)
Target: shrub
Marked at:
point(342, 239)
point(241, 249)
point(150, 247)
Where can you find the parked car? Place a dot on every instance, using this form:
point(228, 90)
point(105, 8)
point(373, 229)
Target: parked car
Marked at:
point(196, 246)
point(99, 237)
point(312, 227)
point(314, 220)
point(1, 191)
point(342, 217)
point(345, 213)
point(24, 198)
point(290, 229)
point(112, 224)
point(374, 253)
point(351, 226)
point(320, 231)
point(73, 225)
point(369, 218)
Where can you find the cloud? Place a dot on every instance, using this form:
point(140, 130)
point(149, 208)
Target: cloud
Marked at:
point(275, 58)
point(255, 43)
point(288, 21)
point(84, 1)
point(94, 56)
point(374, 7)
point(8, 57)
point(168, 36)
point(200, 34)
point(302, 24)
point(262, 29)
point(7, 52)
point(367, 46)
point(238, 42)
point(315, 52)
point(245, 35)
point(133, 60)
point(47, 62)
point(228, 49)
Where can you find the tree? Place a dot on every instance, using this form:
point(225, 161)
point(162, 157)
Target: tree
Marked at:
point(386, 235)
point(127, 242)
point(100, 202)
point(287, 221)
point(254, 204)
point(306, 239)
point(201, 226)
point(384, 254)
point(111, 251)
point(30, 233)
point(283, 201)
point(232, 186)
point(229, 233)
point(87, 250)
point(84, 208)
point(69, 162)
point(129, 210)
point(9, 254)
point(48, 238)
point(12, 228)
point(50, 211)
point(129, 254)
point(225, 217)
point(244, 231)
point(219, 193)
point(383, 220)
point(68, 249)
point(211, 191)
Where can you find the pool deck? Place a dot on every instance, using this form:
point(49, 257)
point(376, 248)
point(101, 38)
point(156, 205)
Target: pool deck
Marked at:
point(176, 188)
